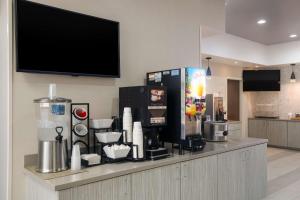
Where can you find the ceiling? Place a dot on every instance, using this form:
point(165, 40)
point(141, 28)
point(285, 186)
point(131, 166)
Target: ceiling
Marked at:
point(282, 16)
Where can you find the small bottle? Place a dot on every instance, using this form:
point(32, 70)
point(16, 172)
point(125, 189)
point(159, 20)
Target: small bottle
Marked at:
point(127, 124)
point(138, 139)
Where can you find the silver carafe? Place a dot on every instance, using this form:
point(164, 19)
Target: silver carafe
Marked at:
point(53, 155)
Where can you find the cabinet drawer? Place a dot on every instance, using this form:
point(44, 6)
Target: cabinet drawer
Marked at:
point(294, 134)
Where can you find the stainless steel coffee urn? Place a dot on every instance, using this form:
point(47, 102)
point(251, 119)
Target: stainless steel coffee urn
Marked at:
point(53, 117)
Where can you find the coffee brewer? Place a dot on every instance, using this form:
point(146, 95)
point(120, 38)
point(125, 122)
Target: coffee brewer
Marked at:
point(149, 106)
point(215, 108)
point(186, 88)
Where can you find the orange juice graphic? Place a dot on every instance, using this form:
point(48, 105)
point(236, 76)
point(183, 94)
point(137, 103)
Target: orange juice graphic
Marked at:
point(195, 91)
point(197, 85)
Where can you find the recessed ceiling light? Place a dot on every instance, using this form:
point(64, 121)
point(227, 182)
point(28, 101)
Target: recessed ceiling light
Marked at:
point(293, 35)
point(236, 62)
point(256, 66)
point(262, 21)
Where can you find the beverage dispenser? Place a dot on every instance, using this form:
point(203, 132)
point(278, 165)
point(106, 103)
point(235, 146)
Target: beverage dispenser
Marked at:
point(186, 90)
point(52, 118)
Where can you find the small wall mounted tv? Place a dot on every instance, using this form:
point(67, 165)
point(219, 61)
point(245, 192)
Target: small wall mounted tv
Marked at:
point(56, 41)
point(261, 80)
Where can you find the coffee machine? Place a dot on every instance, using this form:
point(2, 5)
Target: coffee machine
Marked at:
point(215, 126)
point(186, 105)
point(149, 106)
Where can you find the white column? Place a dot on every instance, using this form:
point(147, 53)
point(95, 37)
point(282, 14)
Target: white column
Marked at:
point(5, 98)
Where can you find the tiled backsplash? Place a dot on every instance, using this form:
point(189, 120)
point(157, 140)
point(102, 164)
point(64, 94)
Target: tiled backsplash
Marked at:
point(287, 100)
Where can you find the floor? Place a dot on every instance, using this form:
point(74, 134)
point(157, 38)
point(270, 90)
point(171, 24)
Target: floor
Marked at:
point(283, 174)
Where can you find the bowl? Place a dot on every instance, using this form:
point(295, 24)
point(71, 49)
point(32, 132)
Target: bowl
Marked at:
point(116, 151)
point(80, 129)
point(80, 113)
point(108, 137)
point(101, 123)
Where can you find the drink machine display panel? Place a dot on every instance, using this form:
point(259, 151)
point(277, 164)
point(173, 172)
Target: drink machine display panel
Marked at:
point(195, 92)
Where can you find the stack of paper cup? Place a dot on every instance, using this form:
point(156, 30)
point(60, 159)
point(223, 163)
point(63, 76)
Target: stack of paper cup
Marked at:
point(76, 159)
point(138, 139)
point(127, 124)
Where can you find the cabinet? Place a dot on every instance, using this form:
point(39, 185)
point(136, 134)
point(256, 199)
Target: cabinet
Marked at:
point(281, 133)
point(199, 179)
point(294, 134)
point(234, 175)
point(157, 184)
point(256, 173)
point(234, 129)
point(257, 128)
point(112, 189)
point(277, 133)
point(241, 175)
point(231, 172)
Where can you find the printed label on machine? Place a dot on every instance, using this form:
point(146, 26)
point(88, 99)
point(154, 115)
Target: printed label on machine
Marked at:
point(219, 133)
point(157, 120)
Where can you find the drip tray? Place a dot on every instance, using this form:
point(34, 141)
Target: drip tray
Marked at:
point(156, 154)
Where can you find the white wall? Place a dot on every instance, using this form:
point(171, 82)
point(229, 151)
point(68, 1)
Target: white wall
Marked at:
point(5, 99)
point(284, 53)
point(154, 35)
point(233, 47)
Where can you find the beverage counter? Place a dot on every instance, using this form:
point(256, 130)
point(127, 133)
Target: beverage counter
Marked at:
point(198, 175)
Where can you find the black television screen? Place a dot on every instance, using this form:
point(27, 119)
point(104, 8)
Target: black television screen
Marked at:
point(52, 40)
point(261, 80)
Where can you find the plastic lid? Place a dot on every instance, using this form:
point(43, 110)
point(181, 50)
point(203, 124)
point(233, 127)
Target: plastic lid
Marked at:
point(54, 100)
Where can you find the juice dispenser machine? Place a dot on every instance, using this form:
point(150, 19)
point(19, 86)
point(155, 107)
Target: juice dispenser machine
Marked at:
point(186, 90)
point(53, 117)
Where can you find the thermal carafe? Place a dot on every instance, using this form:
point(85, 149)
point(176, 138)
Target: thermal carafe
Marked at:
point(53, 117)
point(215, 131)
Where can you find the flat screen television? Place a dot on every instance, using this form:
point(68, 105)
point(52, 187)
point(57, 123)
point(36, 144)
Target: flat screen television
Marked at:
point(56, 41)
point(261, 80)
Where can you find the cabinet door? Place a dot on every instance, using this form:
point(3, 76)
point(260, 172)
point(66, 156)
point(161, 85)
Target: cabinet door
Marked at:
point(277, 133)
point(232, 175)
point(234, 130)
point(256, 172)
point(294, 134)
point(257, 128)
point(157, 184)
point(112, 189)
point(199, 180)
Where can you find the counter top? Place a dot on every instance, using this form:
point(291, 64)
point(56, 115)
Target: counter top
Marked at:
point(68, 179)
point(274, 119)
